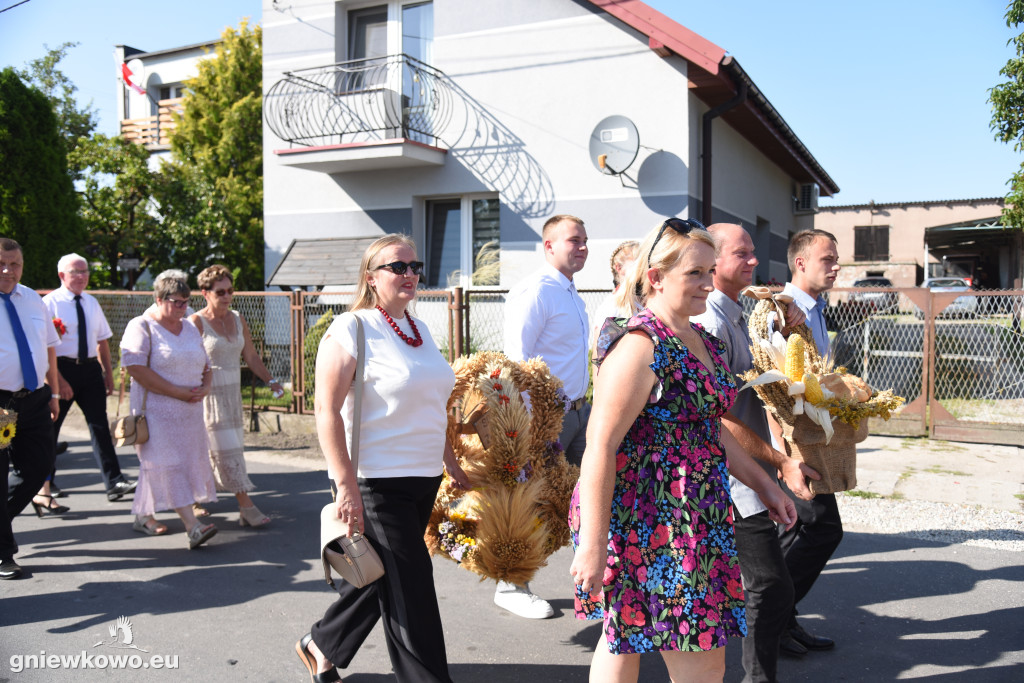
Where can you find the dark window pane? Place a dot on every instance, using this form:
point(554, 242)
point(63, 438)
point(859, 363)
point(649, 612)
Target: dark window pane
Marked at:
point(444, 226)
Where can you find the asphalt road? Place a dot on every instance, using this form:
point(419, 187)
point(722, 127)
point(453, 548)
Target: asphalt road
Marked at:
point(899, 608)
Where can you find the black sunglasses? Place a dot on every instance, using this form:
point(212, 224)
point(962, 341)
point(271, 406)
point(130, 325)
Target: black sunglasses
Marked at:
point(399, 267)
point(683, 227)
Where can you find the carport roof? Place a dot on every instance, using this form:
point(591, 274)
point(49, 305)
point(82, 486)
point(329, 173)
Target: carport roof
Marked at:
point(321, 262)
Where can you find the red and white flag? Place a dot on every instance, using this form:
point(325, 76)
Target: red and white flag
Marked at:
point(126, 76)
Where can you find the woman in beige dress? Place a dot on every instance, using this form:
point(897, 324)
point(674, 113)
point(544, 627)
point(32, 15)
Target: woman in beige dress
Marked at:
point(226, 338)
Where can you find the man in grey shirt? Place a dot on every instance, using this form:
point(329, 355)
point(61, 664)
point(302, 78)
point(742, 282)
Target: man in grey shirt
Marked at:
point(768, 588)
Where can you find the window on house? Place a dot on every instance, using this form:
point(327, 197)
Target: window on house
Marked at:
point(462, 242)
point(172, 91)
point(871, 243)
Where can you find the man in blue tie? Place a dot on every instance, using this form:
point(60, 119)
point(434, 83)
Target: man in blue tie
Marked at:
point(83, 364)
point(808, 545)
point(27, 358)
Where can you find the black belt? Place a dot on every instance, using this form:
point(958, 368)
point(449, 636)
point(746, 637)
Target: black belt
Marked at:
point(20, 393)
point(77, 361)
point(577, 404)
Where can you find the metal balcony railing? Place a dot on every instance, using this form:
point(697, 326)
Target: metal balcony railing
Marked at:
point(362, 100)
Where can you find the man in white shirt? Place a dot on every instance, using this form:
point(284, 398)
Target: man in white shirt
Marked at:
point(83, 363)
point(28, 381)
point(808, 545)
point(545, 316)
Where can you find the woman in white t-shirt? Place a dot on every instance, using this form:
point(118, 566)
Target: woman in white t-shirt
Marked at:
point(402, 452)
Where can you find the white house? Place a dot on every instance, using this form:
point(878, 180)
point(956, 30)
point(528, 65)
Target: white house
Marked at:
point(463, 122)
point(146, 116)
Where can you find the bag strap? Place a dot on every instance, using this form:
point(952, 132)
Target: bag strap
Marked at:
point(357, 396)
point(124, 376)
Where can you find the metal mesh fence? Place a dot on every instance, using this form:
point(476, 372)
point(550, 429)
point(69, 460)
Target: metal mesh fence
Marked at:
point(486, 314)
point(318, 309)
point(979, 356)
point(971, 344)
point(267, 313)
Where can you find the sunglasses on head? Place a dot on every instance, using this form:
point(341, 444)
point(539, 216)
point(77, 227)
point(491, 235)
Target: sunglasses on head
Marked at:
point(399, 267)
point(682, 226)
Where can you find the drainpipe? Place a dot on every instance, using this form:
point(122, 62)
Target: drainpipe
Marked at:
point(740, 98)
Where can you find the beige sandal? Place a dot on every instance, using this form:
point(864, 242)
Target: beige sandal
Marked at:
point(200, 534)
point(251, 516)
point(149, 526)
point(199, 511)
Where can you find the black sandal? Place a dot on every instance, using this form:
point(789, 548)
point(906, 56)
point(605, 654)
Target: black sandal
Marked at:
point(310, 661)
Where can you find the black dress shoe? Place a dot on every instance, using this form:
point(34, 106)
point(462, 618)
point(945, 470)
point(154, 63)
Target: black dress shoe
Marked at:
point(61, 447)
point(789, 647)
point(9, 569)
point(809, 641)
point(118, 490)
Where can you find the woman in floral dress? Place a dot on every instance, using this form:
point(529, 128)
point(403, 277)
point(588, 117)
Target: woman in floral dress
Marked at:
point(652, 515)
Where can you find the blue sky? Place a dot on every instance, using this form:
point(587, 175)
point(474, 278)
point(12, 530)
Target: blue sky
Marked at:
point(889, 95)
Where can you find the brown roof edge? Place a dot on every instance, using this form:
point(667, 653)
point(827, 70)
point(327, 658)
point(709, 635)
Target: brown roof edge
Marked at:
point(722, 70)
point(665, 31)
point(786, 134)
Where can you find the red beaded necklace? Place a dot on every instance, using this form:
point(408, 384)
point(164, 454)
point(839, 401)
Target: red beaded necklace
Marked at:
point(411, 342)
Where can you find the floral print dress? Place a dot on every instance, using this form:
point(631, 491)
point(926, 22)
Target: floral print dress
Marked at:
point(673, 578)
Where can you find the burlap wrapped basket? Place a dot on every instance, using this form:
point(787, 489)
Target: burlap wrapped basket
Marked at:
point(836, 461)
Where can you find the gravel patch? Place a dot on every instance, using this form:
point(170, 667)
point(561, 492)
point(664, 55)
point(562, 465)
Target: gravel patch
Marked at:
point(940, 522)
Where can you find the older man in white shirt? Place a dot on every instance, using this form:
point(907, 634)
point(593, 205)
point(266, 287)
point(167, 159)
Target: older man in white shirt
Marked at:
point(545, 316)
point(83, 362)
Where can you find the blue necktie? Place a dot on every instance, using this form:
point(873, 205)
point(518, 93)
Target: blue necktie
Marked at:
point(28, 366)
point(819, 308)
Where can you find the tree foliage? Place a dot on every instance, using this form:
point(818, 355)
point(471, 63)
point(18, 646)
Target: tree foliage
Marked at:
point(1008, 115)
point(37, 199)
point(212, 194)
point(73, 122)
point(117, 186)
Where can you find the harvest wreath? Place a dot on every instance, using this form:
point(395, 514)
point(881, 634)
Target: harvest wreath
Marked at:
point(513, 517)
point(823, 411)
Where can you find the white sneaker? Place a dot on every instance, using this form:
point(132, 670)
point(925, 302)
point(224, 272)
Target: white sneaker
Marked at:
point(520, 601)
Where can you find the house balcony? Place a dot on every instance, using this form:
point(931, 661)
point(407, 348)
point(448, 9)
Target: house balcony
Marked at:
point(367, 114)
point(154, 132)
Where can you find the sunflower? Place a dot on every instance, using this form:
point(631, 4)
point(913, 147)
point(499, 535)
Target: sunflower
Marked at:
point(8, 419)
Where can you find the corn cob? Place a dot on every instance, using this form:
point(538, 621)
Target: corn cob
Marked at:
point(795, 358)
point(812, 389)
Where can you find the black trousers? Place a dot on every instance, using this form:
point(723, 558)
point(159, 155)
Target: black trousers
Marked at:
point(396, 511)
point(811, 542)
point(768, 590)
point(29, 457)
point(86, 381)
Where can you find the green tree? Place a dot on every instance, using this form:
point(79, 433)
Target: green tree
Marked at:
point(213, 199)
point(37, 199)
point(73, 122)
point(1008, 115)
point(117, 186)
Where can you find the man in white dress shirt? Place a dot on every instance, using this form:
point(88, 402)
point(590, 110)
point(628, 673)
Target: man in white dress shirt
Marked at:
point(545, 316)
point(808, 545)
point(28, 381)
point(83, 363)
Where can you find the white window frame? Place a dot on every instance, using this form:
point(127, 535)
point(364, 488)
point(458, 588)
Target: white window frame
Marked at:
point(465, 232)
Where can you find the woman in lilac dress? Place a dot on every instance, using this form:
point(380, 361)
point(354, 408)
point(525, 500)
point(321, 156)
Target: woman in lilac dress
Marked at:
point(651, 518)
point(165, 357)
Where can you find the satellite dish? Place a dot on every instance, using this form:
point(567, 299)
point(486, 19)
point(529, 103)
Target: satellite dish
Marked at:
point(614, 145)
point(138, 70)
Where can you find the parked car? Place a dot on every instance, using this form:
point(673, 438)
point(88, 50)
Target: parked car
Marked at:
point(962, 305)
point(875, 302)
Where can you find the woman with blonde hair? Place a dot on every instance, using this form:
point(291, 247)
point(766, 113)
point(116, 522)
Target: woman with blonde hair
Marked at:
point(402, 453)
point(170, 374)
point(622, 260)
point(651, 516)
point(226, 337)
